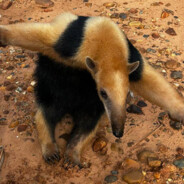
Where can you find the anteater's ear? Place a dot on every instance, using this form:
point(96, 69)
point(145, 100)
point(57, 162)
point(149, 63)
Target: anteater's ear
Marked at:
point(133, 66)
point(90, 64)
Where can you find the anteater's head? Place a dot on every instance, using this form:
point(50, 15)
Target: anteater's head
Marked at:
point(112, 81)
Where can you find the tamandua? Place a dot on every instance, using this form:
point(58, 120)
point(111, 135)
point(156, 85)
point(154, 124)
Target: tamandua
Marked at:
point(98, 45)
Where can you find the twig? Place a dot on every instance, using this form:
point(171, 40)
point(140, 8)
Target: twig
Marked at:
point(1, 156)
point(153, 131)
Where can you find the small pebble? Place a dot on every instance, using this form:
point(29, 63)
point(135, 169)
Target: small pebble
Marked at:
point(133, 177)
point(176, 74)
point(122, 16)
point(145, 36)
point(134, 109)
point(45, 3)
point(179, 163)
point(154, 162)
point(176, 125)
point(111, 179)
point(171, 32)
point(99, 144)
point(155, 35)
point(114, 172)
point(172, 64)
point(141, 103)
point(115, 15)
point(22, 127)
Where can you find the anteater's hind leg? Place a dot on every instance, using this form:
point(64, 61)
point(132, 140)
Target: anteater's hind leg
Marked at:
point(46, 136)
point(153, 87)
point(80, 136)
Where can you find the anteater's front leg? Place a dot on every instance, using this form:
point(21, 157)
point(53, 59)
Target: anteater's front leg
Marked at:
point(154, 88)
point(46, 136)
point(81, 134)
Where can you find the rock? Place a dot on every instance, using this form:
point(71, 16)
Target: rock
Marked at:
point(6, 83)
point(156, 4)
point(114, 172)
point(5, 112)
point(150, 50)
point(115, 15)
point(145, 36)
point(45, 3)
point(176, 74)
point(134, 109)
point(162, 115)
point(172, 64)
point(179, 150)
point(154, 162)
point(141, 103)
point(168, 4)
point(6, 4)
point(30, 89)
point(157, 175)
point(135, 23)
point(6, 97)
point(13, 124)
point(171, 32)
point(22, 127)
point(129, 163)
point(10, 87)
point(99, 144)
point(155, 35)
point(133, 10)
point(45, 10)
point(176, 125)
point(123, 16)
point(164, 14)
point(179, 163)
point(111, 179)
point(133, 177)
point(145, 154)
point(109, 5)
point(179, 156)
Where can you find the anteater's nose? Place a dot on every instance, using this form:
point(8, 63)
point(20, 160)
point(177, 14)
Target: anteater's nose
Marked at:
point(118, 133)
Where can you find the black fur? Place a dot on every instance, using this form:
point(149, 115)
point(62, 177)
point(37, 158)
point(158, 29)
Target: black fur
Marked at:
point(69, 42)
point(134, 55)
point(64, 90)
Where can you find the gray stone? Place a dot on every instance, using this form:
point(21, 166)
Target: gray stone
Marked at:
point(111, 179)
point(179, 163)
point(176, 75)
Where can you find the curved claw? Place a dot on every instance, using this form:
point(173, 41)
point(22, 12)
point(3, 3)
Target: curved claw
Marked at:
point(52, 159)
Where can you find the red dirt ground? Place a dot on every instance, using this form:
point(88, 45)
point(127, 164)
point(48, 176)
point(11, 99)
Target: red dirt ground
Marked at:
point(23, 162)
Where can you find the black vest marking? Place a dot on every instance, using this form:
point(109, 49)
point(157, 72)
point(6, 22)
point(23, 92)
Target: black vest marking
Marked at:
point(134, 56)
point(71, 39)
point(64, 90)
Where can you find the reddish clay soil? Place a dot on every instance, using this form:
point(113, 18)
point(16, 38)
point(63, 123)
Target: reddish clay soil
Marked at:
point(23, 162)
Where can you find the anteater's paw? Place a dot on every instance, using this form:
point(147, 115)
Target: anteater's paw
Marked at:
point(179, 117)
point(71, 161)
point(51, 153)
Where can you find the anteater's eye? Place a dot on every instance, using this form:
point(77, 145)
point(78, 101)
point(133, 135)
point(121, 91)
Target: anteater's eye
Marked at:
point(103, 94)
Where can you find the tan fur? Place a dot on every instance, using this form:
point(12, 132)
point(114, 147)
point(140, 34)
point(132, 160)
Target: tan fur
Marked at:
point(47, 145)
point(154, 88)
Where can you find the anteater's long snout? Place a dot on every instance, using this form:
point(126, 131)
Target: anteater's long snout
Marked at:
point(118, 123)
